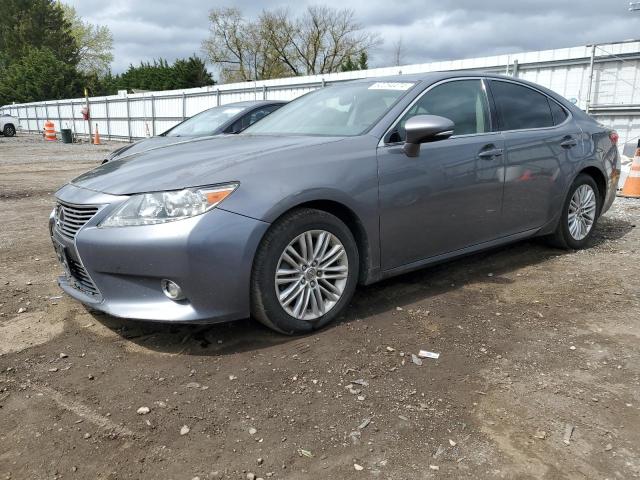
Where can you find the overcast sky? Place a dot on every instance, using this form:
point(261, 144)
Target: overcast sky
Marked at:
point(430, 29)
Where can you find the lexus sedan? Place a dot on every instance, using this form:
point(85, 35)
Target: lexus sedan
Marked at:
point(346, 185)
point(230, 118)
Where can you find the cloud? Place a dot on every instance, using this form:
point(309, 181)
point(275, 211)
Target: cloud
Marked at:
point(429, 29)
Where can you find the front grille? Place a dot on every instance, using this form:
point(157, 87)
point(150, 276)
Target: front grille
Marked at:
point(70, 218)
point(81, 278)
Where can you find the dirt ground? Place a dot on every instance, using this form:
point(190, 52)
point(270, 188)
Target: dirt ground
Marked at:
point(538, 375)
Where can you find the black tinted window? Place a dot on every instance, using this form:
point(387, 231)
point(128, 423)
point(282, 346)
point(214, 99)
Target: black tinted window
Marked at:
point(462, 101)
point(520, 107)
point(559, 113)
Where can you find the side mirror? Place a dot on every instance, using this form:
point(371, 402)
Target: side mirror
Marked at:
point(424, 129)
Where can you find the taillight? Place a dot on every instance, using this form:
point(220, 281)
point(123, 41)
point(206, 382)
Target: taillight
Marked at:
point(613, 136)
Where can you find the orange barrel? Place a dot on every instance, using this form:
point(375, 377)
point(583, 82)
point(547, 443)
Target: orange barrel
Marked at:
point(49, 131)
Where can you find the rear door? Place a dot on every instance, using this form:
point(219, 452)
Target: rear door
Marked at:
point(449, 197)
point(541, 139)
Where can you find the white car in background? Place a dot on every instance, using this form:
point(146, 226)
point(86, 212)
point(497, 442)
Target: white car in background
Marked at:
point(8, 125)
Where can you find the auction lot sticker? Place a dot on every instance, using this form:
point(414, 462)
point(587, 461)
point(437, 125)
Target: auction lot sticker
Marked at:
point(391, 86)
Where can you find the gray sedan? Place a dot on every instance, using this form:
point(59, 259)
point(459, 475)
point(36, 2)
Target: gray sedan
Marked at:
point(226, 119)
point(346, 185)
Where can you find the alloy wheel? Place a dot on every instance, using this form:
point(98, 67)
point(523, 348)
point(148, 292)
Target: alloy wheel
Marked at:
point(582, 212)
point(311, 274)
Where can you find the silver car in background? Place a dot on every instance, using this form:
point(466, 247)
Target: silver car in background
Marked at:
point(231, 118)
point(348, 184)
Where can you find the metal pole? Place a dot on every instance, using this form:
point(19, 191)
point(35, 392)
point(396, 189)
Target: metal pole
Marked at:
point(37, 119)
point(514, 73)
point(106, 109)
point(86, 98)
point(153, 116)
point(264, 92)
point(591, 62)
point(128, 120)
point(59, 116)
point(184, 106)
point(73, 118)
point(26, 113)
point(218, 98)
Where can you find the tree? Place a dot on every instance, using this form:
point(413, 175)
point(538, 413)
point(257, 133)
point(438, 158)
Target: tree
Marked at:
point(361, 64)
point(38, 75)
point(240, 48)
point(95, 42)
point(159, 75)
point(398, 52)
point(321, 40)
point(191, 72)
point(28, 24)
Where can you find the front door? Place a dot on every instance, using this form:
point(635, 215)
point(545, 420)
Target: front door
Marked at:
point(450, 196)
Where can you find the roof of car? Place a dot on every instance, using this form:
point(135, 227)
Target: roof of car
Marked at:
point(433, 76)
point(255, 103)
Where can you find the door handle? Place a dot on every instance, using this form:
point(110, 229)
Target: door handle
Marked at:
point(489, 154)
point(568, 142)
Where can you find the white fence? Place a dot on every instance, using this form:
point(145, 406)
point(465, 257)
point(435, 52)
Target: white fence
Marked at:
point(603, 79)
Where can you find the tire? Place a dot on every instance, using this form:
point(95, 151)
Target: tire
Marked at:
point(9, 130)
point(564, 236)
point(315, 309)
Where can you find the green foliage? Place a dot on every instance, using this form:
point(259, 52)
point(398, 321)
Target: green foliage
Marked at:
point(349, 65)
point(27, 24)
point(95, 42)
point(159, 75)
point(47, 52)
point(38, 75)
point(38, 53)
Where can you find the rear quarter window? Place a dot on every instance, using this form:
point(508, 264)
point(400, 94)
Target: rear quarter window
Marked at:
point(558, 113)
point(520, 107)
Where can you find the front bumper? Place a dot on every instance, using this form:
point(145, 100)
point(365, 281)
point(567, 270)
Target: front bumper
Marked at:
point(210, 256)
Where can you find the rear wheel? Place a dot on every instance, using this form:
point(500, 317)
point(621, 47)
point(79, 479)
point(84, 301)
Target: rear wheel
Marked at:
point(305, 272)
point(579, 214)
point(9, 130)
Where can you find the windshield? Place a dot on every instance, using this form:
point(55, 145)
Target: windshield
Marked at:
point(341, 110)
point(204, 123)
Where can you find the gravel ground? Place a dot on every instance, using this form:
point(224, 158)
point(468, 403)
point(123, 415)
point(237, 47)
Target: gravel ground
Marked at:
point(538, 375)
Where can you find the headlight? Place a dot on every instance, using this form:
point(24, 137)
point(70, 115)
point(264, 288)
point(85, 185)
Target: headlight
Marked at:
point(161, 207)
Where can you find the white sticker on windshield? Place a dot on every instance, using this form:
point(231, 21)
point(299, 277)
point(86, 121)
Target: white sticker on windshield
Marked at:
point(391, 86)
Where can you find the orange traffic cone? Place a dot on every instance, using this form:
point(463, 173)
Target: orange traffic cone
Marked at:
point(96, 137)
point(49, 131)
point(632, 183)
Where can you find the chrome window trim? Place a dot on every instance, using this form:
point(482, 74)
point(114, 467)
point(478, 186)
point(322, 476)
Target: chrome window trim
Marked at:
point(485, 88)
point(382, 143)
point(569, 114)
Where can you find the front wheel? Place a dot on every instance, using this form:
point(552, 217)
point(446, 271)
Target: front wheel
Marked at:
point(579, 214)
point(9, 131)
point(304, 273)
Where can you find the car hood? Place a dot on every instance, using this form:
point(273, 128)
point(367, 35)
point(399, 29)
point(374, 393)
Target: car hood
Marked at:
point(146, 144)
point(201, 161)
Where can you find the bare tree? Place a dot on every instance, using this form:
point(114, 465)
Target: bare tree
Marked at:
point(398, 52)
point(277, 44)
point(319, 41)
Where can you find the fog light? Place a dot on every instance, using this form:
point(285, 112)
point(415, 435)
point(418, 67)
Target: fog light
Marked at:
point(172, 290)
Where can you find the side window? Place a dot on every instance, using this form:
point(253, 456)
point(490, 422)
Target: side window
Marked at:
point(559, 114)
point(250, 118)
point(463, 101)
point(520, 107)
point(261, 113)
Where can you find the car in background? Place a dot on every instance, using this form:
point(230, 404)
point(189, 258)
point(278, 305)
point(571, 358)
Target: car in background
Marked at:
point(231, 118)
point(8, 125)
point(349, 184)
